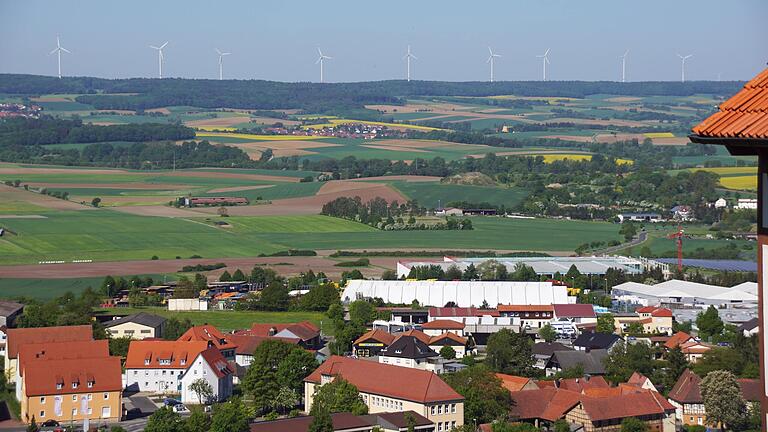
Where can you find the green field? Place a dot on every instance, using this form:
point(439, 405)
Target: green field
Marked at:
point(232, 320)
point(429, 194)
point(107, 235)
point(45, 289)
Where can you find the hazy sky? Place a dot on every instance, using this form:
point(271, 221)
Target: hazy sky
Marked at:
point(278, 40)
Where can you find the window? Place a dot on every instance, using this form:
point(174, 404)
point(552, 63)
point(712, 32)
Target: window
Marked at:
point(453, 424)
point(90, 410)
point(42, 399)
point(453, 409)
point(439, 426)
point(90, 396)
point(135, 373)
point(439, 409)
point(106, 396)
point(74, 412)
point(146, 362)
point(90, 384)
point(74, 398)
point(74, 385)
point(146, 331)
point(42, 415)
point(59, 386)
point(106, 412)
point(433, 409)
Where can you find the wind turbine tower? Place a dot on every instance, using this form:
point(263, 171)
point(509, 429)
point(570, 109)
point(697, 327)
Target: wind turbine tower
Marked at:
point(682, 69)
point(544, 60)
point(221, 63)
point(490, 60)
point(320, 60)
point(160, 58)
point(58, 51)
point(407, 59)
point(624, 66)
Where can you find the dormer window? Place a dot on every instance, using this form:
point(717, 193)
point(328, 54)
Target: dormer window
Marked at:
point(74, 385)
point(59, 386)
point(146, 362)
point(90, 384)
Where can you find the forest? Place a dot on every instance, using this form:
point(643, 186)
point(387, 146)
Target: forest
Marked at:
point(326, 97)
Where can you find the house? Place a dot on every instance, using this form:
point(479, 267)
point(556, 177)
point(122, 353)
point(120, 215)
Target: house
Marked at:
point(20, 336)
point(750, 328)
point(461, 346)
point(371, 343)
point(9, 311)
point(542, 352)
point(655, 319)
point(410, 352)
point(639, 217)
point(591, 341)
point(583, 385)
point(247, 344)
point(137, 326)
point(694, 350)
point(593, 413)
point(678, 339)
point(746, 204)
point(347, 422)
point(449, 211)
point(72, 390)
point(516, 383)
point(532, 317)
point(58, 351)
point(682, 213)
point(211, 366)
point(308, 334)
point(641, 381)
point(3, 339)
point(440, 326)
point(721, 203)
point(386, 388)
point(590, 361)
point(214, 201)
point(576, 313)
point(213, 337)
point(686, 397)
point(407, 315)
point(156, 366)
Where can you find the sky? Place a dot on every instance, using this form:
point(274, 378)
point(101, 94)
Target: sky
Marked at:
point(278, 40)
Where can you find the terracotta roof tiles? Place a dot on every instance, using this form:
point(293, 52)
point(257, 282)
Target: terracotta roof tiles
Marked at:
point(745, 115)
point(42, 376)
point(440, 324)
point(20, 336)
point(147, 354)
point(387, 380)
point(687, 388)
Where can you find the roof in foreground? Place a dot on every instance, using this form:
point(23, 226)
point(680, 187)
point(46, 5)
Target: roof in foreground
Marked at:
point(41, 377)
point(19, 336)
point(743, 116)
point(387, 380)
point(463, 293)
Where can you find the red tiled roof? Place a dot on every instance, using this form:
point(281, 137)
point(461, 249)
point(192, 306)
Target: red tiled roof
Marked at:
point(440, 324)
point(525, 308)
point(511, 382)
point(21, 336)
point(207, 333)
point(694, 347)
point(626, 405)
point(378, 335)
point(62, 351)
point(305, 329)
point(447, 335)
point(461, 312)
point(637, 379)
point(175, 351)
point(581, 384)
point(217, 362)
point(418, 334)
point(574, 310)
point(247, 344)
point(687, 388)
point(547, 403)
point(677, 339)
point(42, 376)
point(750, 389)
point(387, 380)
point(654, 311)
point(744, 115)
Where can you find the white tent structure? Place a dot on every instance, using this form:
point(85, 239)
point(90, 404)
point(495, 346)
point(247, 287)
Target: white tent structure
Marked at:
point(686, 293)
point(463, 293)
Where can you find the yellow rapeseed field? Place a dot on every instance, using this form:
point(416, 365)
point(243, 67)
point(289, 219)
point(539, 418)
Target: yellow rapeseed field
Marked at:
point(258, 137)
point(729, 170)
point(551, 157)
point(659, 135)
point(747, 182)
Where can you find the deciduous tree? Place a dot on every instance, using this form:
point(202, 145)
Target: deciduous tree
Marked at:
point(509, 352)
point(338, 395)
point(723, 401)
point(485, 398)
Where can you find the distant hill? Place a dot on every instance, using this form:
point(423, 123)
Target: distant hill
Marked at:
point(325, 98)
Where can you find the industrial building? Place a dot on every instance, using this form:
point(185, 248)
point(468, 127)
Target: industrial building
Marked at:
point(544, 266)
point(677, 294)
point(460, 293)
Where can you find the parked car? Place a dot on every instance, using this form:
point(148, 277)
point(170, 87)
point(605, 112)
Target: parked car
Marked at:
point(49, 423)
point(171, 402)
point(180, 408)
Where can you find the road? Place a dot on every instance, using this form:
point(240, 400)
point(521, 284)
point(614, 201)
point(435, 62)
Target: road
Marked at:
point(640, 239)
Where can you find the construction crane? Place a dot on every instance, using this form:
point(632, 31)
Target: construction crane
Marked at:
point(678, 237)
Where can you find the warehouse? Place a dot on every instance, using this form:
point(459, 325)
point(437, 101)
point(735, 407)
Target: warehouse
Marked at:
point(462, 293)
point(684, 294)
point(546, 266)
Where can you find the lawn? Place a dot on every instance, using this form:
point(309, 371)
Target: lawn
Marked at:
point(294, 224)
point(232, 320)
point(45, 289)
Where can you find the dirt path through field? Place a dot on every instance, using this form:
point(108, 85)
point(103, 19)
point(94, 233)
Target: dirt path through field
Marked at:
point(18, 194)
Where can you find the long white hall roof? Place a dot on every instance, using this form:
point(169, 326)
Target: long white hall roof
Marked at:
point(463, 293)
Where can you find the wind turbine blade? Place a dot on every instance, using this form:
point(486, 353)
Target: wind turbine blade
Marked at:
point(163, 45)
point(54, 51)
point(490, 50)
point(319, 52)
point(65, 50)
point(154, 47)
point(489, 59)
point(546, 59)
point(319, 60)
point(225, 54)
point(414, 57)
point(679, 56)
point(545, 54)
point(217, 51)
point(626, 52)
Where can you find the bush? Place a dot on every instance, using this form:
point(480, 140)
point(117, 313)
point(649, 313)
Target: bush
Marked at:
point(202, 267)
point(155, 258)
point(291, 252)
point(362, 262)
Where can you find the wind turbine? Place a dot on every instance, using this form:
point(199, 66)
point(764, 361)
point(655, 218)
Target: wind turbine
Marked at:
point(682, 60)
point(58, 51)
point(407, 59)
point(221, 63)
point(624, 66)
point(544, 61)
point(320, 60)
point(490, 60)
point(160, 57)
